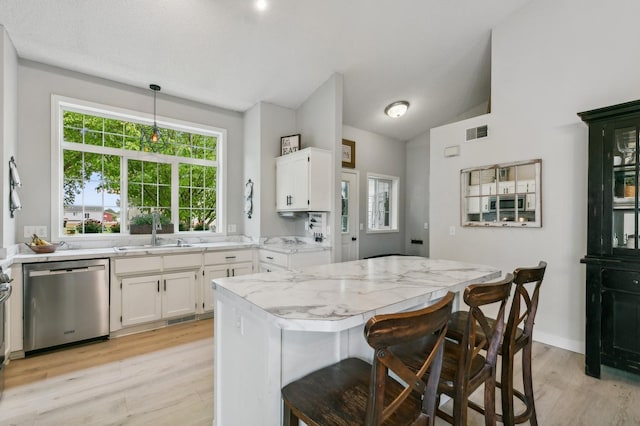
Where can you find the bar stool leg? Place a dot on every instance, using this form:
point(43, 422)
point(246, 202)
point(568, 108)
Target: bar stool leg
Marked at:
point(506, 389)
point(528, 383)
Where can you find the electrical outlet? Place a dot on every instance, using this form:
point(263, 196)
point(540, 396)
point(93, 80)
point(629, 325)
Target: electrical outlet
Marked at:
point(426, 225)
point(452, 230)
point(361, 226)
point(231, 228)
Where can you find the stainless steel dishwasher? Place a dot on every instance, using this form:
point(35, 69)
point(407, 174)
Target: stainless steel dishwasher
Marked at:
point(65, 302)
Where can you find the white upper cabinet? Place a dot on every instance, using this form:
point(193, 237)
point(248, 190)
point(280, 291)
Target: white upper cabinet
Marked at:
point(303, 181)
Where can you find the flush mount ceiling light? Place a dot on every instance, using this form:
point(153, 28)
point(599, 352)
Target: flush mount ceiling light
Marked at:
point(396, 109)
point(261, 5)
point(152, 141)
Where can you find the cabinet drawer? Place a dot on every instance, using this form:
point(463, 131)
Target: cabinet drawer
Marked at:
point(280, 259)
point(135, 265)
point(183, 261)
point(228, 257)
point(621, 280)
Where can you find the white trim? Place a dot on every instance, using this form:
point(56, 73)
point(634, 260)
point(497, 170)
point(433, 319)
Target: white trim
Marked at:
point(356, 173)
point(559, 342)
point(58, 103)
point(394, 207)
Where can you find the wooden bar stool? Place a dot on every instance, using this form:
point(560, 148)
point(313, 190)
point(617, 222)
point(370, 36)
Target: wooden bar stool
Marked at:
point(354, 392)
point(517, 336)
point(464, 368)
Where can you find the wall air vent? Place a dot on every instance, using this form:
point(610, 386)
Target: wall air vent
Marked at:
point(477, 133)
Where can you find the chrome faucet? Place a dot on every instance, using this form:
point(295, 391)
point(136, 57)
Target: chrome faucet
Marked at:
point(155, 226)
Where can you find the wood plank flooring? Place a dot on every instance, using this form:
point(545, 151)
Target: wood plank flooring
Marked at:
point(161, 377)
point(165, 377)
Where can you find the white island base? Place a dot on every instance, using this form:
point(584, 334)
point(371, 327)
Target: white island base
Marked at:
point(273, 328)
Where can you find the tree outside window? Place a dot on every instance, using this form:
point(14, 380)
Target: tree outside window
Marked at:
point(110, 177)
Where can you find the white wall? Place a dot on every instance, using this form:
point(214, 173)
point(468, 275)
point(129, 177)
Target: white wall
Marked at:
point(319, 121)
point(417, 193)
point(264, 124)
point(36, 84)
point(550, 60)
point(8, 134)
point(252, 168)
point(379, 154)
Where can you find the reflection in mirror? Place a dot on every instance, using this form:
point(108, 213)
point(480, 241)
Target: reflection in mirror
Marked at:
point(502, 195)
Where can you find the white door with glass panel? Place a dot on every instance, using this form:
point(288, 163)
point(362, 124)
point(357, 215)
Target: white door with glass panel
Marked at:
point(349, 216)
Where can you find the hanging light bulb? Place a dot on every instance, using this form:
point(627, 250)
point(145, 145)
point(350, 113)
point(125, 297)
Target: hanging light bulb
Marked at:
point(154, 141)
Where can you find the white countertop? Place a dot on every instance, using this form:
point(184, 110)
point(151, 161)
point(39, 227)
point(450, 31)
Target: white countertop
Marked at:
point(340, 296)
point(115, 252)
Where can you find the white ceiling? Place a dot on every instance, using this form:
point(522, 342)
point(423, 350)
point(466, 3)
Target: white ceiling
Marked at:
point(433, 53)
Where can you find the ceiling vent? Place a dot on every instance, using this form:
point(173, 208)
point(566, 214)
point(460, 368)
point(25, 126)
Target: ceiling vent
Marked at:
point(477, 133)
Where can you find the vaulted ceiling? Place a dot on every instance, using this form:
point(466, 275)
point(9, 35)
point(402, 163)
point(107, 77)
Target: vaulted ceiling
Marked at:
point(433, 53)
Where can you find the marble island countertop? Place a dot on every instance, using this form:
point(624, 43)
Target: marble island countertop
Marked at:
point(339, 296)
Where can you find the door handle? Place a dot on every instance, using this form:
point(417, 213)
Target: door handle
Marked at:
point(165, 285)
point(158, 286)
point(353, 238)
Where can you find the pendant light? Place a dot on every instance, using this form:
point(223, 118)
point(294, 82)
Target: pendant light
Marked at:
point(155, 140)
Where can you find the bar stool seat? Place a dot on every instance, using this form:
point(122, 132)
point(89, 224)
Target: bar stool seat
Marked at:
point(354, 392)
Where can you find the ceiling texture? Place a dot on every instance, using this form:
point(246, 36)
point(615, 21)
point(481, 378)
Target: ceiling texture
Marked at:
point(433, 53)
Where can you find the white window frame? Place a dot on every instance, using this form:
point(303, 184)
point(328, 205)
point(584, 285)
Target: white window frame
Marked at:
point(60, 103)
point(393, 207)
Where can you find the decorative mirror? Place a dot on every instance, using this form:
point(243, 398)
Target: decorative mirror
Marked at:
point(505, 195)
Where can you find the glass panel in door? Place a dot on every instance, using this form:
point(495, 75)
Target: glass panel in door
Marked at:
point(625, 191)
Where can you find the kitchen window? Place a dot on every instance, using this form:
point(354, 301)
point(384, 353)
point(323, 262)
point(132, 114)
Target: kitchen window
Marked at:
point(382, 203)
point(105, 175)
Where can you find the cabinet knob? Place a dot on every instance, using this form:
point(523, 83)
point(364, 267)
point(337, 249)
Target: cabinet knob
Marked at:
point(635, 282)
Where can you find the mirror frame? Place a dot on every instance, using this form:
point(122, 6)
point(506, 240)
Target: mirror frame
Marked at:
point(483, 188)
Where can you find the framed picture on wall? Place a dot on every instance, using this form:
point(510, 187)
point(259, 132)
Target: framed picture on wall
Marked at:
point(348, 153)
point(289, 144)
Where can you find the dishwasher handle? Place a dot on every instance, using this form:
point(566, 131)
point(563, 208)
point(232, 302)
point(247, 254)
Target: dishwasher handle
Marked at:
point(67, 270)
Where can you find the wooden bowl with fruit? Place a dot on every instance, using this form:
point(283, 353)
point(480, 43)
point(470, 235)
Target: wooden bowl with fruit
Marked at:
point(38, 245)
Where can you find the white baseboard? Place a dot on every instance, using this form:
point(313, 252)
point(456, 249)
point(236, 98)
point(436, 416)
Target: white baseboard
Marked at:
point(560, 342)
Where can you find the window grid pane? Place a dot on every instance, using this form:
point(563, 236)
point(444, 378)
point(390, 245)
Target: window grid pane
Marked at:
point(91, 181)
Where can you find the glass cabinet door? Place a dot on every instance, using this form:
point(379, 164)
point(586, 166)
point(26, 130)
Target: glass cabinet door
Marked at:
point(625, 190)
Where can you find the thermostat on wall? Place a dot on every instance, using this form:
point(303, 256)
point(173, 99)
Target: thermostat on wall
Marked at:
point(452, 151)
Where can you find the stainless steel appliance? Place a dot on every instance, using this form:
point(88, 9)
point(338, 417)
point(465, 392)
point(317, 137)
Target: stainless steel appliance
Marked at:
point(65, 302)
point(5, 292)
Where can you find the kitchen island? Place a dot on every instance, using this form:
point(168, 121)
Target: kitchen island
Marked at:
point(273, 328)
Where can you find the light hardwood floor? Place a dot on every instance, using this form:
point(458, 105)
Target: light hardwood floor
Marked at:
point(165, 377)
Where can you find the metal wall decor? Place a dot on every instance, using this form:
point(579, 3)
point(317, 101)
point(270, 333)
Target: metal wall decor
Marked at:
point(14, 182)
point(248, 195)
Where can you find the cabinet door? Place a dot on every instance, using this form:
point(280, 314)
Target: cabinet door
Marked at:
point(141, 299)
point(237, 269)
point(620, 188)
point(211, 272)
point(292, 183)
point(179, 294)
point(270, 267)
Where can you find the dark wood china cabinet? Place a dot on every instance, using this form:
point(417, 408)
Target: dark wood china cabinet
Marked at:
point(613, 239)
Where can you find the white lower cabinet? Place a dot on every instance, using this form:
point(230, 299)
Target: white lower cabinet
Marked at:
point(221, 265)
point(179, 294)
point(271, 261)
point(155, 297)
point(153, 288)
point(141, 300)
